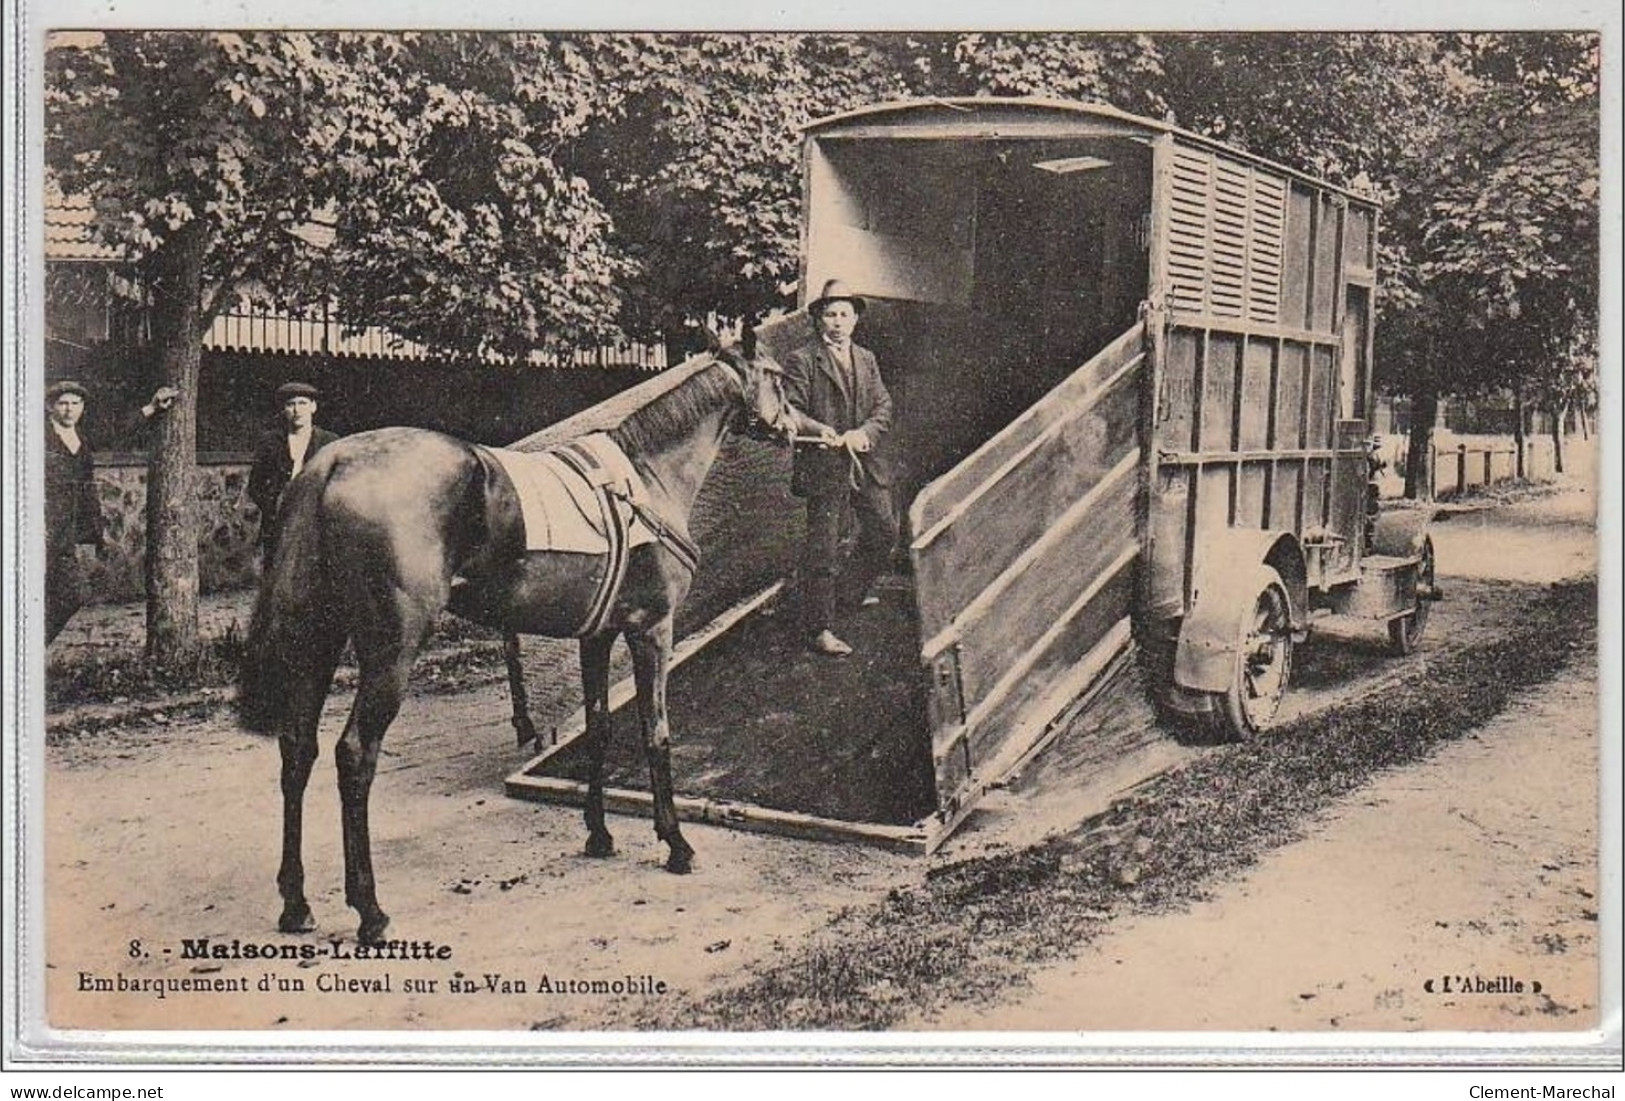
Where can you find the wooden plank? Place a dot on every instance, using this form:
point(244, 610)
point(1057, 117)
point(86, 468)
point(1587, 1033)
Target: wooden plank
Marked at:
point(1219, 377)
point(1286, 496)
point(1008, 718)
point(1213, 487)
point(917, 839)
point(1328, 274)
point(1177, 391)
point(938, 499)
point(1034, 731)
point(1257, 398)
point(981, 538)
point(1252, 487)
point(1213, 458)
point(955, 127)
point(996, 632)
point(1169, 515)
point(1315, 491)
point(1200, 322)
point(1291, 376)
point(1321, 407)
point(1296, 254)
point(1361, 228)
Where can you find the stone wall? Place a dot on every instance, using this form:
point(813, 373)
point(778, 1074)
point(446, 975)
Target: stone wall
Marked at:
point(228, 555)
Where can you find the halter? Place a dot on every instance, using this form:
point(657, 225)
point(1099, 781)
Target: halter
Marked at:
point(750, 380)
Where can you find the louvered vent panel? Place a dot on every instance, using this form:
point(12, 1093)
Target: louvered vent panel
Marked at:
point(1227, 226)
point(1188, 231)
point(1229, 248)
point(1266, 245)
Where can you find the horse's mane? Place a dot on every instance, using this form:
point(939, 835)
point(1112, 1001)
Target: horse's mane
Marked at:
point(674, 414)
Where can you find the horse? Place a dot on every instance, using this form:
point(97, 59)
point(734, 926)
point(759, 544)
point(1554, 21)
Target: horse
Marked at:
point(383, 530)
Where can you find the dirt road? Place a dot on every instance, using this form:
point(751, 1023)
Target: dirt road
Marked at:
point(1475, 868)
point(162, 836)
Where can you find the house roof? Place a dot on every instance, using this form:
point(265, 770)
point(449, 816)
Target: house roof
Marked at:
point(68, 233)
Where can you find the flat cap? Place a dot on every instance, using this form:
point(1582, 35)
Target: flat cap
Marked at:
point(296, 390)
point(66, 386)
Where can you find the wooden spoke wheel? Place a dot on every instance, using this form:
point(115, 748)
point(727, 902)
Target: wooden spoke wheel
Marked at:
point(1405, 632)
point(1263, 663)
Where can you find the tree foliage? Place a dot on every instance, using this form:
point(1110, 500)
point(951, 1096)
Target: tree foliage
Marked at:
point(496, 193)
point(697, 155)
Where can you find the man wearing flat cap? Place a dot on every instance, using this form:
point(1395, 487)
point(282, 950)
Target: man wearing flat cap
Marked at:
point(843, 420)
point(281, 454)
point(73, 513)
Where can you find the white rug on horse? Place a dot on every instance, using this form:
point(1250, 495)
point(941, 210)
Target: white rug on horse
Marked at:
point(560, 508)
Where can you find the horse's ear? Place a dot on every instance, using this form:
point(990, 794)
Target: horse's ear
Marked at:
point(747, 341)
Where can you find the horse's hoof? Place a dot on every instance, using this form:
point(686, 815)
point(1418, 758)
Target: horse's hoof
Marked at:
point(681, 861)
point(296, 919)
point(372, 929)
point(600, 845)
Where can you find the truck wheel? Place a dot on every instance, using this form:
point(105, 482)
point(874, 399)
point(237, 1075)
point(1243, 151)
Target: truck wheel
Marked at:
point(1263, 664)
point(1406, 631)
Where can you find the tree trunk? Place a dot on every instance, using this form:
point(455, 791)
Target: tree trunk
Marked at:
point(172, 511)
point(1557, 438)
point(1419, 461)
point(1519, 436)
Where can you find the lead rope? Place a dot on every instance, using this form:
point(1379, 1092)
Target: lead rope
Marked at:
point(854, 468)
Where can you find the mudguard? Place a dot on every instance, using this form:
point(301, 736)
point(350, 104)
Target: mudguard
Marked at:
point(1401, 532)
point(1234, 570)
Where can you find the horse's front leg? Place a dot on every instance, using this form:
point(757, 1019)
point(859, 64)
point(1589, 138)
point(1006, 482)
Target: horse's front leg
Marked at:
point(595, 699)
point(650, 655)
point(522, 726)
point(378, 700)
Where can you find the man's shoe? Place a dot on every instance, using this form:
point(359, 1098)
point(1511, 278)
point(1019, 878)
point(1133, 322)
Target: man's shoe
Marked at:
point(827, 643)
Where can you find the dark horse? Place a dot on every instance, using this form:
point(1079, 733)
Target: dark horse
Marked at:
point(385, 529)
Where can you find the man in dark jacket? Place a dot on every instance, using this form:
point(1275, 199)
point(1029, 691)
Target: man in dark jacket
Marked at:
point(281, 454)
point(73, 513)
point(843, 416)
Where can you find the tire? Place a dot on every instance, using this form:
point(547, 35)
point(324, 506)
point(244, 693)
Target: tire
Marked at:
point(1405, 632)
point(1263, 665)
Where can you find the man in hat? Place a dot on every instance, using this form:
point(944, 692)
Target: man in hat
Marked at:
point(843, 416)
point(281, 454)
point(73, 513)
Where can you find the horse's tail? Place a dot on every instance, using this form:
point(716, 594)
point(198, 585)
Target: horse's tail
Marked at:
point(293, 610)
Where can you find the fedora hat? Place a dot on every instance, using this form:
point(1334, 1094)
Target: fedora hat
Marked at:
point(835, 291)
point(296, 390)
point(66, 386)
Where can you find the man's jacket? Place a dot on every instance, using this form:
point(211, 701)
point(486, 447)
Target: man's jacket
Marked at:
point(821, 389)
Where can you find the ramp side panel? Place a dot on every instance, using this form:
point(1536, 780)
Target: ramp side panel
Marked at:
point(936, 501)
point(1024, 560)
point(988, 532)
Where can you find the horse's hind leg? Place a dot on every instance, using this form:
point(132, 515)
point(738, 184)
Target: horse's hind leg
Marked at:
point(377, 702)
point(299, 745)
point(650, 653)
point(522, 726)
point(595, 698)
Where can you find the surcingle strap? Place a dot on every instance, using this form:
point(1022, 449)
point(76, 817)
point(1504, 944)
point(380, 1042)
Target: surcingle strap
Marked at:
point(604, 465)
point(618, 529)
point(586, 496)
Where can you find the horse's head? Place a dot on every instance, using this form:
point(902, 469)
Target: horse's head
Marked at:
point(761, 384)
